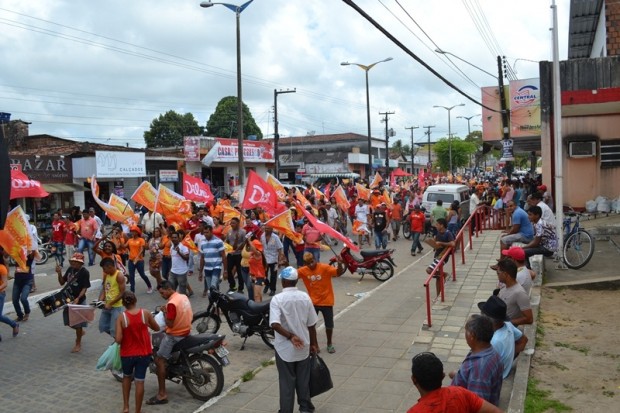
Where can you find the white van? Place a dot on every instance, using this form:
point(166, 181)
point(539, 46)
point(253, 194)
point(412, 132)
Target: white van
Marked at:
point(448, 193)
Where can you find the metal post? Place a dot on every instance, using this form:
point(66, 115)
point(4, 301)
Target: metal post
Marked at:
point(239, 104)
point(276, 134)
point(369, 172)
point(428, 133)
point(411, 128)
point(387, 143)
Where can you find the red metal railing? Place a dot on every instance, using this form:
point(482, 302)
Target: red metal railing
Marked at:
point(484, 218)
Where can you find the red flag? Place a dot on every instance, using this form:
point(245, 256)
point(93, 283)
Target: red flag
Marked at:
point(421, 179)
point(259, 193)
point(326, 229)
point(196, 190)
point(23, 187)
point(327, 190)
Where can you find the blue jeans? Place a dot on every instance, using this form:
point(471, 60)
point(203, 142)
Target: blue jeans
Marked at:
point(416, 242)
point(21, 290)
point(59, 254)
point(179, 281)
point(107, 321)
point(166, 265)
point(4, 319)
point(245, 273)
point(381, 240)
point(86, 243)
point(314, 251)
point(212, 278)
point(132, 274)
point(287, 244)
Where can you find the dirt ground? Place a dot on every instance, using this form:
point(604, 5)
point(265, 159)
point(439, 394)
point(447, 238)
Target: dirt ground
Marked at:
point(577, 356)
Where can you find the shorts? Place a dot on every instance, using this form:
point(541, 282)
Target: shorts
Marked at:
point(135, 366)
point(107, 320)
point(328, 315)
point(259, 281)
point(436, 262)
point(512, 238)
point(165, 348)
point(65, 319)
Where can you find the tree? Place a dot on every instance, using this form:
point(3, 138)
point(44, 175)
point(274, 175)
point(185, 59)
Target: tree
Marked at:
point(170, 128)
point(399, 149)
point(460, 152)
point(223, 122)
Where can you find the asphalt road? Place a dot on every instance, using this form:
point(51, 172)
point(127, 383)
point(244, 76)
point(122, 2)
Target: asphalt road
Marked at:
point(40, 374)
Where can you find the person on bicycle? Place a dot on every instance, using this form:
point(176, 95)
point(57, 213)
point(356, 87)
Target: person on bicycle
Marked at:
point(545, 240)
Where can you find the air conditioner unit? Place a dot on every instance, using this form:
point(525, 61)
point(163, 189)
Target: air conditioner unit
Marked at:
point(585, 149)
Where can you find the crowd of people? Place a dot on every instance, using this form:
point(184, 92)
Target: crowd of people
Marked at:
point(250, 256)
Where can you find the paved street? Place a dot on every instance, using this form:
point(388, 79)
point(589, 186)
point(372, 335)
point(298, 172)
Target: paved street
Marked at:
point(54, 380)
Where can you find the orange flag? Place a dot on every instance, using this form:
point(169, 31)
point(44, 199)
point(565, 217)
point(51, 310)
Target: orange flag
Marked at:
point(317, 193)
point(12, 247)
point(387, 199)
point(283, 223)
point(111, 211)
point(341, 199)
point(16, 238)
point(230, 213)
point(362, 192)
point(376, 181)
point(145, 195)
point(189, 243)
point(277, 185)
point(302, 203)
point(122, 205)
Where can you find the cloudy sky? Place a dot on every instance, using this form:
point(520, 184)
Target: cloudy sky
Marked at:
point(101, 71)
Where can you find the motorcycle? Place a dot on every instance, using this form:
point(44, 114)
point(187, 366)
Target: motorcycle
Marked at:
point(197, 361)
point(244, 316)
point(379, 263)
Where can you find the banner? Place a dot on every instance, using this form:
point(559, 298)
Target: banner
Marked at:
point(112, 212)
point(327, 230)
point(362, 192)
point(277, 185)
point(145, 195)
point(492, 120)
point(259, 193)
point(120, 164)
point(525, 108)
point(191, 148)
point(122, 205)
point(376, 181)
point(283, 223)
point(341, 199)
point(23, 187)
point(227, 150)
point(196, 190)
point(19, 239)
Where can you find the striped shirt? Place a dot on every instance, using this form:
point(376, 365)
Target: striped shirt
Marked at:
point(211, 250)
point(482, 373)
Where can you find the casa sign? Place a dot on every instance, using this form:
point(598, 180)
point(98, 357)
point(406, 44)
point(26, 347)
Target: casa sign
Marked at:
point(45, 169)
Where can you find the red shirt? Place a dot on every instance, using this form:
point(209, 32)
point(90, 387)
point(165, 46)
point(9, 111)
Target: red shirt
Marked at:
point(452, 399)
point(136, 339)
point(58, 231)
point(70, 236)
point(417, 221)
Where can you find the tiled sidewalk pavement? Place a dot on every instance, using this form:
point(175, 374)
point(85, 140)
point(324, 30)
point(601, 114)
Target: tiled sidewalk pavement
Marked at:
point(377, 336)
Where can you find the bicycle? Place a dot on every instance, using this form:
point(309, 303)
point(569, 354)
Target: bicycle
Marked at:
point(578, 243)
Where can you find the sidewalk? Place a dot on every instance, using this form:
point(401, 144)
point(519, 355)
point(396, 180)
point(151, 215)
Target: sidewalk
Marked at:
point(377, 336)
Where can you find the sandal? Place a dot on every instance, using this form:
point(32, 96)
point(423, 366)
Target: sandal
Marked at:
point(331, 349)
point(155, 401)
point(25, 317)
point(16, 330)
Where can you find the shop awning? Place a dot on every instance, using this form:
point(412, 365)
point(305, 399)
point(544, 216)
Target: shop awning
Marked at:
point(60, 188)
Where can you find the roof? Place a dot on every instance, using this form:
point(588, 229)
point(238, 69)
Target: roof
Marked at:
point(584, 18)
point(336, 137)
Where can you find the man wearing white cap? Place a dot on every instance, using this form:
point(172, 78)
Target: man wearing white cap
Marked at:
point(293, 319)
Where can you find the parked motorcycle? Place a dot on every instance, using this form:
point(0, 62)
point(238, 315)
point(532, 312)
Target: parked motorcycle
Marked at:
point(379, 263)
point(244, 316)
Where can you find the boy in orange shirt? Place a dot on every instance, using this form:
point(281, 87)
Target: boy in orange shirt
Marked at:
point(317, 278)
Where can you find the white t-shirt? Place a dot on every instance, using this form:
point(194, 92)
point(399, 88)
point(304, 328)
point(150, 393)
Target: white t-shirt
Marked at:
point(332, 216)
point(179, 265)
point(547, 213)
point(473, 202)
point(361, 213)
point(293, 310)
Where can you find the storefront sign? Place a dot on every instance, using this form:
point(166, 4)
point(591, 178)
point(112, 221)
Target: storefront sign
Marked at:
point(120, 164)
point(253, 151)
point(168, 175)
point(525, 108)
point(507, 155)
point(191, 148)
point(45, 169)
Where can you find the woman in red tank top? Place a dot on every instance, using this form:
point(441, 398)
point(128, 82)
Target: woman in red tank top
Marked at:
point(133, 336)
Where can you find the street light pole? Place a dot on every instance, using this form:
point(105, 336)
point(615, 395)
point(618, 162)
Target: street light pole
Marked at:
point(449, 129)
point(411, 128)
point(237, 10)
point(276, 134)
point(467, 118)
point(366, 68)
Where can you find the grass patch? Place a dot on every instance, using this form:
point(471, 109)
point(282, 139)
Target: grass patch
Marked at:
point(583, 350)
point(247, 376)
point(554, 364)
point(268, 363)
point(538, 400)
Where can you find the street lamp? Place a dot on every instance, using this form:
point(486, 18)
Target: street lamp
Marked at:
point(237, 10)
point(366, 68)
point(449, 129)
point(467, 118)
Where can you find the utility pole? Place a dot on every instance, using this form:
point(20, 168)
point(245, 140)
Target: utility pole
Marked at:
point(276, 135)
point(411, 128)
point(429, 164)
point(507, 154)
point(387, 143)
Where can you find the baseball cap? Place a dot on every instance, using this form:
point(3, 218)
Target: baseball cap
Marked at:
point(516, 253)
point(542, 187)
point(289, 273)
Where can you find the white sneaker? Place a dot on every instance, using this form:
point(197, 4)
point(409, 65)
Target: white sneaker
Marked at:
point(149, 291)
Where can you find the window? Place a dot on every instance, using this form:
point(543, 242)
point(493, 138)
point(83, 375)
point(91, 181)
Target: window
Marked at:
point(610, 153)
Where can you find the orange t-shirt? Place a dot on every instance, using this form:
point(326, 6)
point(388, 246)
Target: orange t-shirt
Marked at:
point(319, 283)
point(256, 267)
point(397, 212)
point(165, 241)
point(4, 274)
point(136, 245)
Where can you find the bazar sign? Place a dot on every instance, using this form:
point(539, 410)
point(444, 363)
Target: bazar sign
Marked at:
point(120, 164)
point(45, 169)
point(228, 151)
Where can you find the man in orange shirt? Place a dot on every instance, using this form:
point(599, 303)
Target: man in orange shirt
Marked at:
point(418, 220)
point(396, 217)
point(317, 278)
point(137, 245)
point(87, 230)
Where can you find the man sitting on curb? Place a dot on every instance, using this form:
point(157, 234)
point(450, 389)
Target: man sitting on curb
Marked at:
point(507, 340)
point(427, 375)
point(481, 371)
point(521, 229)
point(524, 275)
point(517, 301)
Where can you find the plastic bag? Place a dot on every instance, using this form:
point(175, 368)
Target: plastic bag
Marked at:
point(320, 377)
point(603, 205)
point(615, 205)
point(160, 319)
point(110, 359)
point(590, 206)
